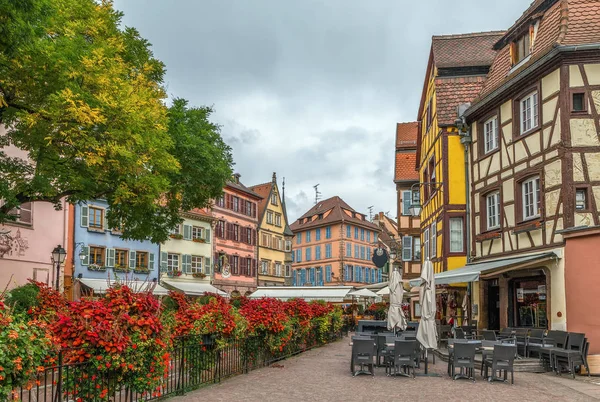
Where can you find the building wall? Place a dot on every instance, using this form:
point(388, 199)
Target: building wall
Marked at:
point(408, 226)
point(339, 260)
point(271, 241)
point(87, 237)
point(441, 151)
point(26, 248)
point(200, 247)
point(236, 282)
point(582, 282)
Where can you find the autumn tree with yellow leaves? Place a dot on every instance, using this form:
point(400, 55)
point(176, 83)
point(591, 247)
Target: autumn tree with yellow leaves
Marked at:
point(85, 99)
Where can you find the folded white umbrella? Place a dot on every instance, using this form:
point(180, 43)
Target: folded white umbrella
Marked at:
point(427, 333)
point(396, 319)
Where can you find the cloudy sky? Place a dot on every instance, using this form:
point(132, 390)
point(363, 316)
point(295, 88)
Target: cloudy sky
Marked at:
point(309, 89)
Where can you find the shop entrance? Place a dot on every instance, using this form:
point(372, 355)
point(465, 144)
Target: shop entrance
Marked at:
point(528, 302)
point(493, 302)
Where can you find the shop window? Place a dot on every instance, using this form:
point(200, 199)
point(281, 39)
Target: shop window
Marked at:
point(456, 235)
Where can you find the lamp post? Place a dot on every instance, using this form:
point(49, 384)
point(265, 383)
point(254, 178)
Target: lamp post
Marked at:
point(58, 257)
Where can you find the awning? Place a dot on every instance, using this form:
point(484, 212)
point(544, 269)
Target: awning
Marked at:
point(472, 272)
point(335, 294)
point(193, 288)
point(101, 285)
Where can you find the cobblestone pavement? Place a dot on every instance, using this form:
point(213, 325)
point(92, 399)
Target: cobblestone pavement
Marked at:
point(323, 374)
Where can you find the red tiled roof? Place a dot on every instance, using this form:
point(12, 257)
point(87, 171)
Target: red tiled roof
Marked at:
point(406, 134)
point(264, 190)
point(465, 50)
point(451, 92)
point(337, 206)
point(405, 166)
point(566, 22)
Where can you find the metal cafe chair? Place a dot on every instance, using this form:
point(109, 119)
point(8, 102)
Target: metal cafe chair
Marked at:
point(464, 359)
point(404, 358)
point(572, 355)
point(363, 353)
point(502, 360)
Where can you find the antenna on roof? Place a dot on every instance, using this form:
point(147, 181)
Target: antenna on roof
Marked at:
point(387, 214)
point(370, 213)
point(317, 193)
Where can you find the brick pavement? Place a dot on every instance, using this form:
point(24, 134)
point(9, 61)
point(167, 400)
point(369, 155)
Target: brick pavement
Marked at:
point(323, 374)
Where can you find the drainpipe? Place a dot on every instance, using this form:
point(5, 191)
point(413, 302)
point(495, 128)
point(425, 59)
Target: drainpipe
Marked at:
point(466, 140)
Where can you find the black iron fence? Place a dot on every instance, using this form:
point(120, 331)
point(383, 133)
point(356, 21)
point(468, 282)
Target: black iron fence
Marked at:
point(194, 362)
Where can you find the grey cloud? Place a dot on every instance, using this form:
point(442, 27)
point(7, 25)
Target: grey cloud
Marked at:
point(311, 89)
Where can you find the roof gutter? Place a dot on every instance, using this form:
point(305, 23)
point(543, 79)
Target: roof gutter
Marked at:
point(525, 72)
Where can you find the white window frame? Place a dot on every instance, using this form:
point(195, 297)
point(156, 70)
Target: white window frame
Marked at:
point(270, 217)
point(452, 230)
point(264, 267)
point(274, 199)
point(197, 232)
point(277, 268)
point(277, 220)
point(406, 202)
point(580, 201)
point(492, 208)
point(528, 108)
point(426, 244)
point(416, 248)
point(288, 270)
point(196, 264)
point(407, 248)
point(173, 259)
point(288, 246)
point(433, 240)
point(490, 134)
point(530, 198)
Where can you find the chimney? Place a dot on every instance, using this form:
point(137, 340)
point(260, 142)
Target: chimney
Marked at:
point(236, 178)
point(274, 177)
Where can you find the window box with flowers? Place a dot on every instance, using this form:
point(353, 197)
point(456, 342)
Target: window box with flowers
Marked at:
point(200, 275)
point(96, 267)
point(120, 268)
point(177, 236)
point(141, 270)
point(174, 273)
point(198, 240)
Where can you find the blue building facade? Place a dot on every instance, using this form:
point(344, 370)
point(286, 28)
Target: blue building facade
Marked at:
point(105, 253)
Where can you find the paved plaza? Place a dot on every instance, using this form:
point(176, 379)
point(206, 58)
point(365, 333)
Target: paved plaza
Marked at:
point(323, 374)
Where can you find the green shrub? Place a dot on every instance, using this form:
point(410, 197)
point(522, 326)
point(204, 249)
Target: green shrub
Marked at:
point(23, 298)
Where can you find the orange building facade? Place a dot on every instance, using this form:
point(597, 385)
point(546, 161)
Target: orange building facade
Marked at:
point(333, 245)
point(236, 223)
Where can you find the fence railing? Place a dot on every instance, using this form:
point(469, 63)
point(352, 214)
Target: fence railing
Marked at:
point(194, 362)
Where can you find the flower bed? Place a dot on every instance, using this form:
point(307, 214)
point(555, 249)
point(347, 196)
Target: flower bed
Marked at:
point(124, 340)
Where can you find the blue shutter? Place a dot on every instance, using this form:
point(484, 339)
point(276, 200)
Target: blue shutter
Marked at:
point(317, 234)
point(328, 273)
point(379, 273)
point(328, 232)
point(348, 231)
point(294, 278)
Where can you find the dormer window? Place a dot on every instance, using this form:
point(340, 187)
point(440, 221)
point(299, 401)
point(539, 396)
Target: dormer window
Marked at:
point(521, 47)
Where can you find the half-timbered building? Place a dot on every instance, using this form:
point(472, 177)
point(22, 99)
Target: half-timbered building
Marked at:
point(535, 162)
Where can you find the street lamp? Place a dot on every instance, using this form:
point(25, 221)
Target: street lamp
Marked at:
point(58, 257)
point(415, 206)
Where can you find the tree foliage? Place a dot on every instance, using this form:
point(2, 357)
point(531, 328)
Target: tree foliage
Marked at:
point(84, 99)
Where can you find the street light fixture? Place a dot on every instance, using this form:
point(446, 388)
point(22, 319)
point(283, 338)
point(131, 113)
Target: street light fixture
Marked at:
point(415, 203)
point(58, 257)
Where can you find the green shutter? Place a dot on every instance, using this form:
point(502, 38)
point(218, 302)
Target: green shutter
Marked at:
point(151, 261)
point(163, 261)
point(85, 217)
point(407, 246)
point(105, 221)
point(207, 235)
point(207, 267)
point(86, 252)
point(132, 259)
point(186, 263)
point(187, 232)
point(110, 257)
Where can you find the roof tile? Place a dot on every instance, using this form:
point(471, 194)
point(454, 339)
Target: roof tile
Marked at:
point(406, 134)
point(465, 50)
point(336, 205)
point(451, 92)
point(406, 166)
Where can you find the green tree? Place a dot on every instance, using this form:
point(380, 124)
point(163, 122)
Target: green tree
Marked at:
point(84, 99)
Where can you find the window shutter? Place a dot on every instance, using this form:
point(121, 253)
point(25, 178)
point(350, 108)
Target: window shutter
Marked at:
point(407, 248)
point(406, 201)
point(207, 266)
point(163, 261)
point(107, 257)
point(151, 261)
point(379, 273)
point(207, 235)
point(187, 263)
point(86, 252)
point(105, 220)
point(187, 232)
point(111, 257)
point(328, 273)
point(85, 216)
point(294, 278)
point(132, 259)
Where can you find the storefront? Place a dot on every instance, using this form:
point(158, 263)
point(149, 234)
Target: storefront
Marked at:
point(525, 291)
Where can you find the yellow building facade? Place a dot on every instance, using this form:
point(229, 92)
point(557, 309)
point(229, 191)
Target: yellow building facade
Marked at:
point(453, 78)
point(274, 236)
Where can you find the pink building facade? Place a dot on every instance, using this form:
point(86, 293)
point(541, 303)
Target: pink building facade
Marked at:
point(236, 251)
point(26, 245)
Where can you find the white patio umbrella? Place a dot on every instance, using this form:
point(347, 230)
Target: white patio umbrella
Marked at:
point(363, 293)
point(396, 319)
point(383, 291)
point(465, 309)
point(427, 333)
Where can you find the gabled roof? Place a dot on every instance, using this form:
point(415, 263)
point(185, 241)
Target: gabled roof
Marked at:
point(264, 191)
point(240, 187)
point(406, 134)
point(406, 140)
point(452, 92)
point(465, 50)
point(333, 211)
point(561, 23)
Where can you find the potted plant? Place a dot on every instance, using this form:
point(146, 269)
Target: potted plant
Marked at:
point(199, 240)
point(174, 273)
point(141, 270)
point(177, 236)
point(200, 275)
